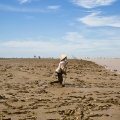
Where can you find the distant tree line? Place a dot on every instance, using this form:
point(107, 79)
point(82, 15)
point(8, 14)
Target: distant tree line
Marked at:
point(43, 57)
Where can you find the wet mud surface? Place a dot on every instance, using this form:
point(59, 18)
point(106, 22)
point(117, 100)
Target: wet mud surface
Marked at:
point(91, 92)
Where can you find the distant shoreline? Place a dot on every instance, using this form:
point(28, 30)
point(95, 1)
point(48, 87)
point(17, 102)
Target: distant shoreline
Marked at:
point(112, 64)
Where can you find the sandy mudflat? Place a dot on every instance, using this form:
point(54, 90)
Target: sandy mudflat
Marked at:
point(91, 91)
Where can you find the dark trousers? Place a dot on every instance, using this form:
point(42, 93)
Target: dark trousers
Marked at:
point(60, 77)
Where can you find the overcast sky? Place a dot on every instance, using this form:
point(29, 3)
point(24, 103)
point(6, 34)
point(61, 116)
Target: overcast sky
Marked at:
point(48, 28)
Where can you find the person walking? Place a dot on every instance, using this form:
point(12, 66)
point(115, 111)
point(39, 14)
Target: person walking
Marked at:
point(61, 69)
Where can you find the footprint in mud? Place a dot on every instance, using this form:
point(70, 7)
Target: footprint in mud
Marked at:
point(5, 118)
point(29, 116)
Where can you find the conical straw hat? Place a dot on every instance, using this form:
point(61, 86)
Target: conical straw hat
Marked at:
point(63, 56)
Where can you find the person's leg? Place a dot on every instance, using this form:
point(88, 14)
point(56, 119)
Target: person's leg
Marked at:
point(60, 78)
point(54, 82)
point(63, 82)
point(55, 75)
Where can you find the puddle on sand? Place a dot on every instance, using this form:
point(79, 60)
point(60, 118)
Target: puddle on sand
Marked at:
point(112, 112)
